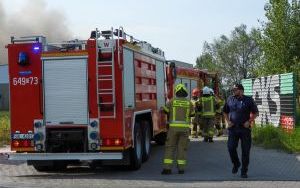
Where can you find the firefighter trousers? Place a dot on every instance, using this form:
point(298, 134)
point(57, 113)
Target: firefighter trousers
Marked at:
point(208, 127)
point(177, 141)
point(196, 126)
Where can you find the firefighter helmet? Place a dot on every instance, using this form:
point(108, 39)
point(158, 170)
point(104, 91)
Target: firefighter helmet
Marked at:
point(206, 90)
point(180, 87)
point(195, 92)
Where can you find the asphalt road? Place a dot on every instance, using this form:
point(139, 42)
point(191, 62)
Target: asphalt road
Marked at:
point(208, 166)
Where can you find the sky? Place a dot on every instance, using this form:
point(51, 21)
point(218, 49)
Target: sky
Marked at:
point(178, 27)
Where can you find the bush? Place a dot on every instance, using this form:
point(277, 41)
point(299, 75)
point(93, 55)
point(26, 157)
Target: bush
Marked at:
point(4, 128)
point(277, 138)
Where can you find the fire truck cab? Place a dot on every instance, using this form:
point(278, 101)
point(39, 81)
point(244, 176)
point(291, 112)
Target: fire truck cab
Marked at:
point(97, 100)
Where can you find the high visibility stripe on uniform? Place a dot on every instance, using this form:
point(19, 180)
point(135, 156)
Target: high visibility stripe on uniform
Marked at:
point(166, 109)
point(181, 103)
point(181, 162)
point(174, 114)
point(187, 117)
point(181, 125)
point(168, 161)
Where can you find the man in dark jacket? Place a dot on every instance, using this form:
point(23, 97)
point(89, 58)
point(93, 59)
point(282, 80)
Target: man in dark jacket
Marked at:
point(237, 112)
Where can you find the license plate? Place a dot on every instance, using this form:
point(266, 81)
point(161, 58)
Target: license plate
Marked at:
point(22, 136)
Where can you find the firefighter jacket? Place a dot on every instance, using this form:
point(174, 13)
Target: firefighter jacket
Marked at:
point(220, 103)
point(180, 111)
point(194, 102)
point(207, 105)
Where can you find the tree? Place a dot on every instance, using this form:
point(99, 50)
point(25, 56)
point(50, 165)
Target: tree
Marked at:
point(234, 57)
point(280, 37)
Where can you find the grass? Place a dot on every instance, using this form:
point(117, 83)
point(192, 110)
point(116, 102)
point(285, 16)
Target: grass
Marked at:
point(277, 138)
point(4, 128)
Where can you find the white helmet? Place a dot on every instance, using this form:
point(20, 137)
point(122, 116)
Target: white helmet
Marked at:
point(206, 90)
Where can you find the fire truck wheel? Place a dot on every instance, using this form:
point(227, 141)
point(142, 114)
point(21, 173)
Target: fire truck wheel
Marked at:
point(146, 150)
point(136, 152)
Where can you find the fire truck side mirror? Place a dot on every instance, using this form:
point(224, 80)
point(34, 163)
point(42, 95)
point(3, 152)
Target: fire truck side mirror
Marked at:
point(23, 59)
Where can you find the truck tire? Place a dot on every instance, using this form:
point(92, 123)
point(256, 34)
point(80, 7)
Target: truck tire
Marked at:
point(161, 138)
point(146, 144)
point(136, 152)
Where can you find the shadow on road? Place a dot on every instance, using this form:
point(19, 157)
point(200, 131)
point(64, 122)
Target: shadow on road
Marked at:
point(206, 162)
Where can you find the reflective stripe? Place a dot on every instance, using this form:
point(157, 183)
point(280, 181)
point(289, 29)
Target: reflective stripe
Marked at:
point(178, 122)
point(181, 162)
point(174, 114)
point(182, 125)
point(187, 117)
point(168, 161)
point(166, 109)
point(181, 103)
point(208, 114)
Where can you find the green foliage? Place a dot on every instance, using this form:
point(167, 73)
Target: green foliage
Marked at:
point(234, 57)
point(4, 128)
point(280, 38)
point(277, 138)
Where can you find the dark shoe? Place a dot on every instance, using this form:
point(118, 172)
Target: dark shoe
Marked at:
point(166, 172)
point(180, 171)
point(205, 140)
point(210, 140)
point(244, 175)
point(235, 168)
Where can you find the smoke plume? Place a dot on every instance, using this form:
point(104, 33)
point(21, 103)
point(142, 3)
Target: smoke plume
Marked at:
point(32, 19)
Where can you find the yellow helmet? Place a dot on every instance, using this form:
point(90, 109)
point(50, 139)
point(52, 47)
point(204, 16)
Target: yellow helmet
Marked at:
point(180, 87)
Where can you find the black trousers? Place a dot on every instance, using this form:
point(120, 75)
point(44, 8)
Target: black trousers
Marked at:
point(234, 135)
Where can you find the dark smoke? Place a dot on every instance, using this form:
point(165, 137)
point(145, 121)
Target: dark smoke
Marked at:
point(32, 19)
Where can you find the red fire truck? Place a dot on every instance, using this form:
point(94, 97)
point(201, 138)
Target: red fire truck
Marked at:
point(97, 100)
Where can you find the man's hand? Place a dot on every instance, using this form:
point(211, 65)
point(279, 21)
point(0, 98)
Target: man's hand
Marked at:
point(247, 124)
point(230, 124)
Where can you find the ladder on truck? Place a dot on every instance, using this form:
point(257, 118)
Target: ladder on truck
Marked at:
point(106, 80)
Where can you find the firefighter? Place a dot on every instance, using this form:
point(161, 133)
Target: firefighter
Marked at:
point(207, 105)
point(179, 109)
point(195, 120)
point(220, 121)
